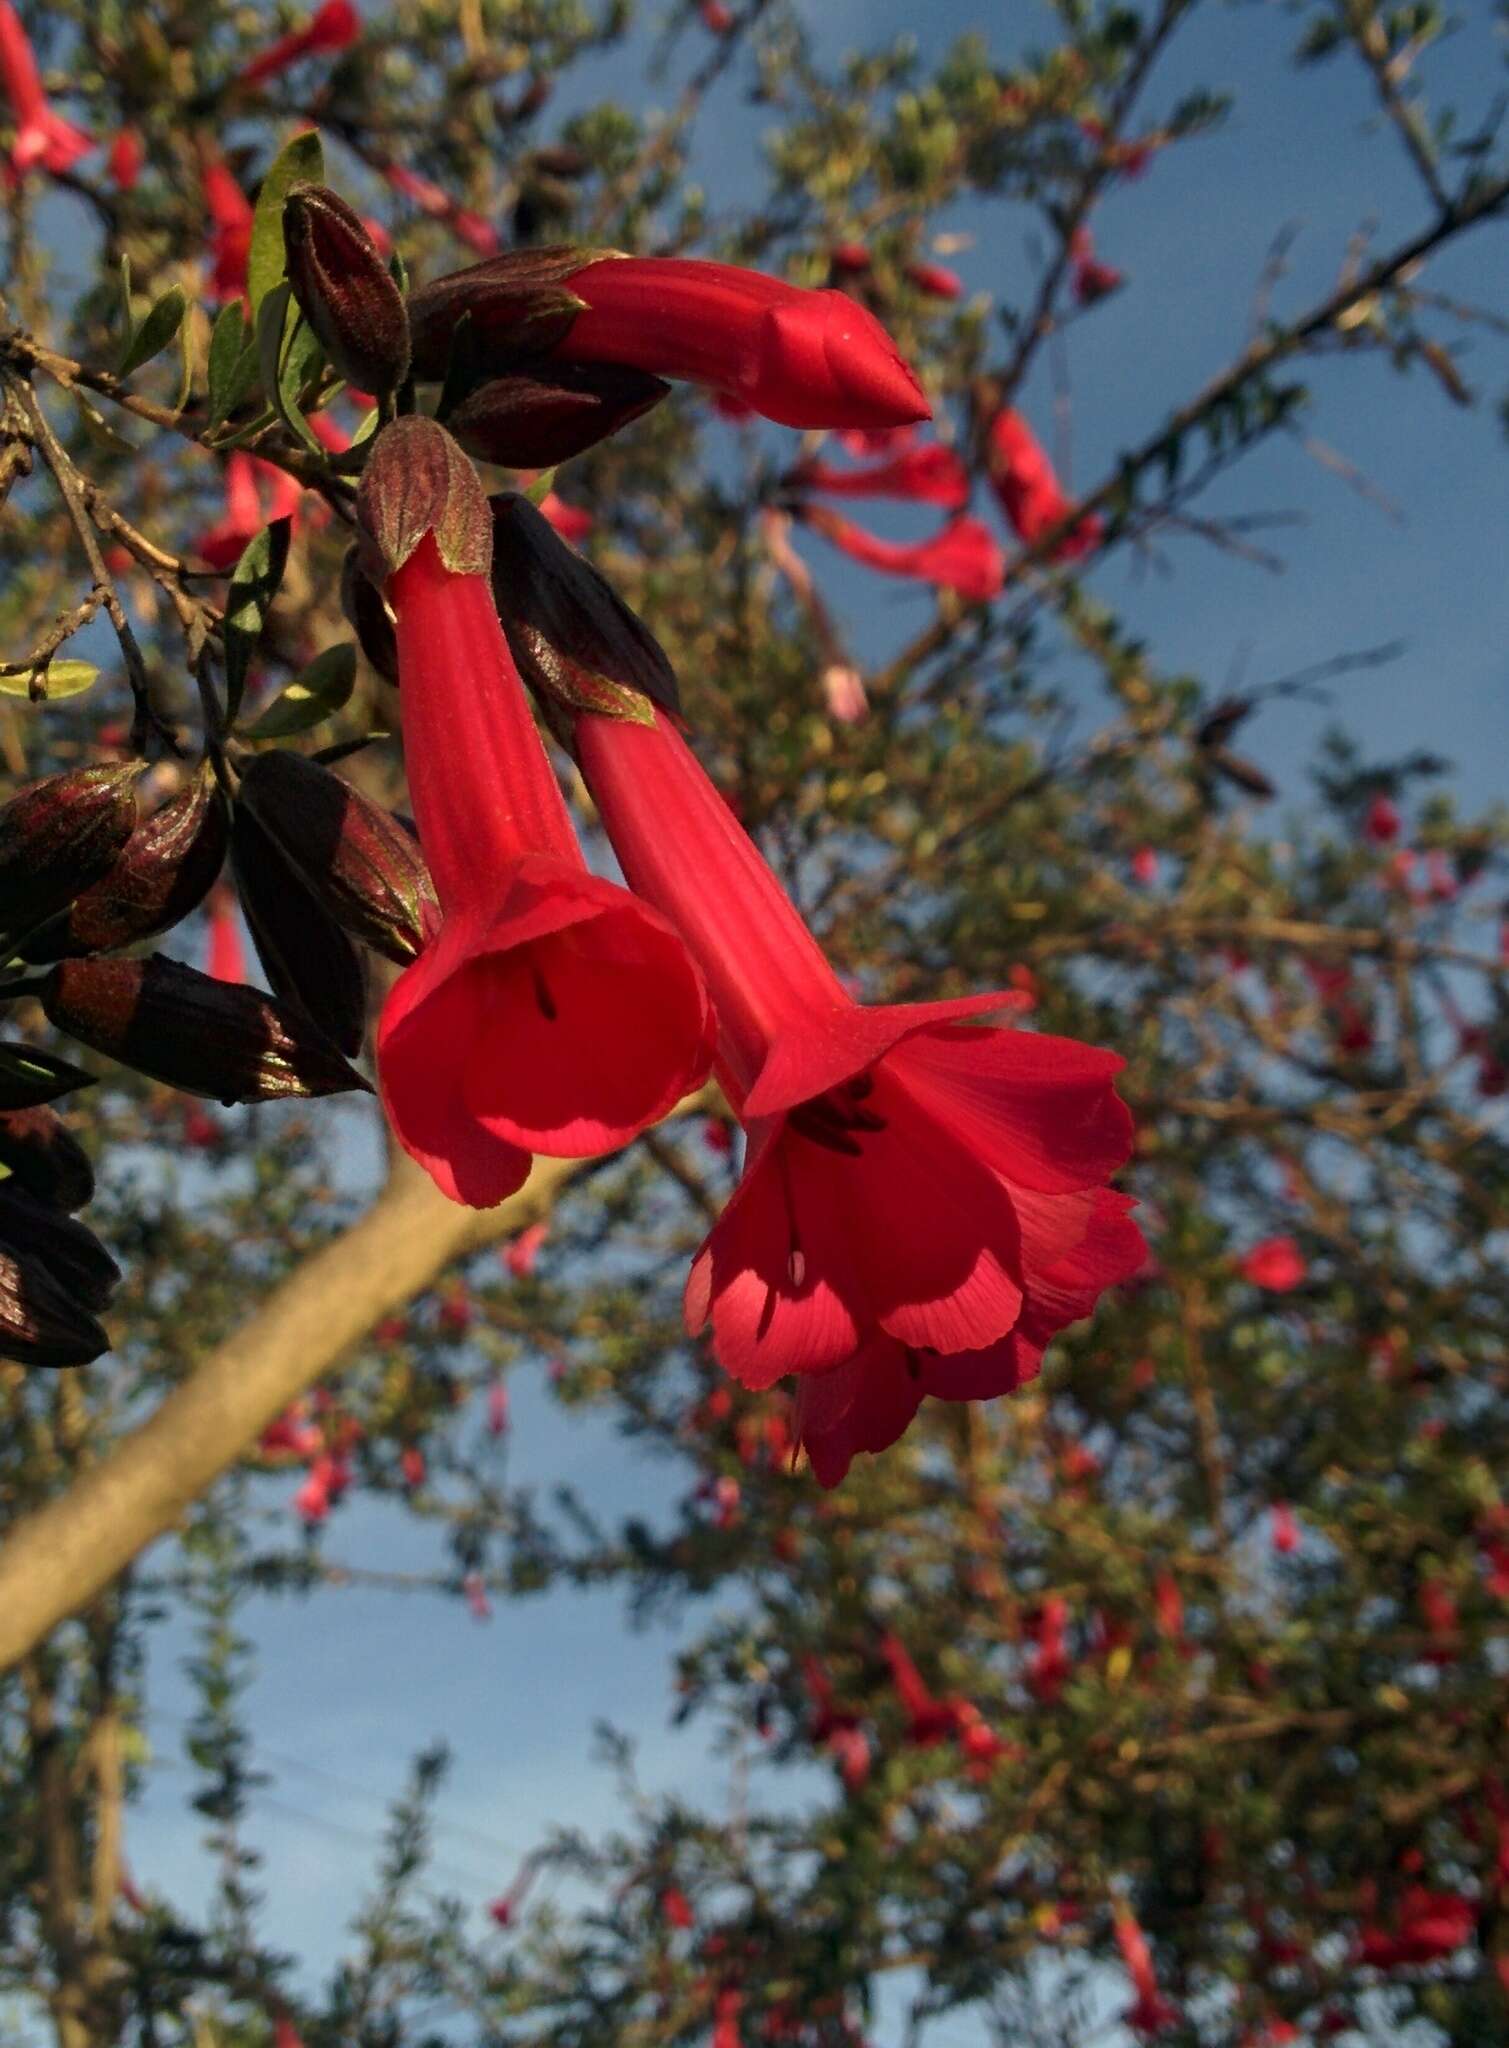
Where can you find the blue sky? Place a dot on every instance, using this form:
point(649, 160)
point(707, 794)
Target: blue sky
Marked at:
point(353, 1683)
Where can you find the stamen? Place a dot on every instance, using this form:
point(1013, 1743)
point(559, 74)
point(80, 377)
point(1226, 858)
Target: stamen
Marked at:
point(796, 1266)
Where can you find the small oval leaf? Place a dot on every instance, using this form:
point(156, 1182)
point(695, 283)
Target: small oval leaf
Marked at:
point(300, 162)
point(60, 679)
point(156, 330)
point(311, 698)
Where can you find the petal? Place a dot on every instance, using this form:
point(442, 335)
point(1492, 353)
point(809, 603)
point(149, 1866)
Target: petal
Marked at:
point(772, 1311)
point(834, 1044)
point(427, 1023)
point(1042, 1110)
point(886, 1393)
point(594, 1021)
point(1073, 1248)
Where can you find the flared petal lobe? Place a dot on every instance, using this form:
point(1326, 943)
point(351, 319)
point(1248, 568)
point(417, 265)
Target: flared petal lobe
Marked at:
point(564, 1021)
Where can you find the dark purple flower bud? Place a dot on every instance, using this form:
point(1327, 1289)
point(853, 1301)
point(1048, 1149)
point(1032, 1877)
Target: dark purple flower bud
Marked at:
point(214, 1038)
point(162, 873)
point(540, 418)
point(515, 306)
point(362, 865)
point(367, 609)
point(417, 481)
point(345, 289)
point(45, 1158)
point(59, 836)
point(39, 1323)
point(575, 641)
point(71, 1252)
point(307, 957)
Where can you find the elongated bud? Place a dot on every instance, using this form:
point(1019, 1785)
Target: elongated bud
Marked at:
point(59, 836)
point(39, 1324)
point(367, 610)
point(67, 1248)
point(345, 289)
point(516, 305)
point(544, 416)
point(354, 857)
point(162, 873)
point(45, 1158)
point(307, 957)
point(576, 643)
point(213, 1038)
point(417, 481)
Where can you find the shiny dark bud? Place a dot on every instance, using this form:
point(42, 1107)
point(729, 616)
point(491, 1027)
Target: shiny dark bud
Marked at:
point(576, 643)
point(59, 837)
point(40, 1324)
point(367, 611)
point(162, 873)
point(345, 290)
point(307, 957)
point(535, 420)
point(515, 306)
point(417, 481)
point(67, 1248)
point(362, 866)
point(214, 1038)
point(43, 1156)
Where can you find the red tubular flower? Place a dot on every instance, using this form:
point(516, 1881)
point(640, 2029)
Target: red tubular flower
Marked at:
point(230, 213)
point(1430, 1925)
point(552, 1012)
point(802, 358)
point(1285, 1530)
point(1051, 1663)
point(934, 281)
point(332, 28)
point(929, 1719)
point(226, 954)
point(42, 135)
point(245, 514)
point(962, 557)
point(127, 155)
point(571, 522)
point(1030, 496)
point(931, 475)
point(1151, 2012)
point(1090, 278)
point(676, 1907)
point(923, 1201)
point(522, 1253)
point(1277, 1264)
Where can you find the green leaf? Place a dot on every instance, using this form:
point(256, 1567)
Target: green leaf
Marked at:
point(301, 162)
point(311, 698)
point(29, 1077)
point(233, 363)
point(59, 679)
point(156, 330)
point(254, 585)
point(541, 488)
point(289, 355)
point(125, 276)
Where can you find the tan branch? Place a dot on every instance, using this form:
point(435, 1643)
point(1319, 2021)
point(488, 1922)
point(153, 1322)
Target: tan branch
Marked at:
point(62, 1556)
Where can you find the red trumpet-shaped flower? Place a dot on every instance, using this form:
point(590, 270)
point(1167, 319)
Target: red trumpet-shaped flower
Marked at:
point(1430, 1925)
point(230, 214)
point(802, 358)
point(332, 28)
point(1277, 1264)
point(552, 1012)
point(42, 135)
point(962, 557)
point(1151, 2012)
point(1030, 495)
point(245, 513)
point(923, 1201)
point(930, 475)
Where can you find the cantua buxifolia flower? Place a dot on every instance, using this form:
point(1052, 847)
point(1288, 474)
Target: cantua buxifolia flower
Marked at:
point(42, 135)
point(329, 30)
point(553, 1012)
point(923, 1201)
point(230, 214)
point(963, 556)
point(1030, 495)
point(803, 358)
point(930, 475)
